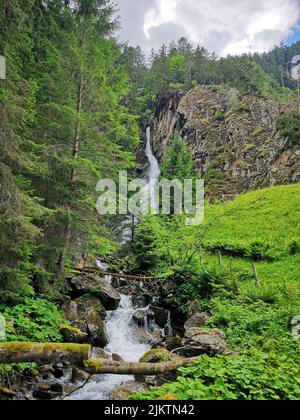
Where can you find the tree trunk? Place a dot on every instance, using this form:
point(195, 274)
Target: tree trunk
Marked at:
point(43, 353)
point(104, 367)
point(75, 153)
point(79, 354)
point(76, 144)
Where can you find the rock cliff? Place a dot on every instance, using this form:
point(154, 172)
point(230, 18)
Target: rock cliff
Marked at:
point(234, 139)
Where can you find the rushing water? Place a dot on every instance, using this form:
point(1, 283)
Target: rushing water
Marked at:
point(123, 335)
point(123, 341)
point(154, 172)
point(150, 189)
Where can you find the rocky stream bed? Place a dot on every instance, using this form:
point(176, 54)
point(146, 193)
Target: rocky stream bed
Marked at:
point(123, 321)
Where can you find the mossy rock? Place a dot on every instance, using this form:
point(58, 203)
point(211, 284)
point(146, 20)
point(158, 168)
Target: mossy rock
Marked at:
point(127, 390)
point(158, 356)
point(73, 335)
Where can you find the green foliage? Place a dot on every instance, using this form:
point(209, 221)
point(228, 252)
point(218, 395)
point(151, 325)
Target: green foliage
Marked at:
point(253, 375)
point(219, 116)
point(264, 293)
point(65, 124)
point(254, 324)
point(34, 320)
point(257, 225)
point(178, 161)
point(289, 126)
point(295, 247)
point(158, 243)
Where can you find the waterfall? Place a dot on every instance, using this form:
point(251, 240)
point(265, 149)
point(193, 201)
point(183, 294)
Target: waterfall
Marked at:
point(168, 330)
point(154, 173)
point(150, 189)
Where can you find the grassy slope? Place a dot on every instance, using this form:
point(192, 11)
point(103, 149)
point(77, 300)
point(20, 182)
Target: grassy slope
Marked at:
point(270, 215)
point(260, 328)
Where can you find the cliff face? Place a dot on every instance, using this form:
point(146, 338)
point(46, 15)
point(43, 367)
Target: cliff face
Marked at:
point(234, 139)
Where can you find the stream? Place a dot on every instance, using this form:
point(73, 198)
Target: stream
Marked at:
point(122, 341)
point(125, 339)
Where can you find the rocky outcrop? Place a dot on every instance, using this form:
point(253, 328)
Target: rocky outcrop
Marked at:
point(143, 317)
point(87, 314)
point(73, 335)
point(161, 315)
point(196, 321)
point(234, 139)
point(127, 390)
point(199, 341)
point(98, 287)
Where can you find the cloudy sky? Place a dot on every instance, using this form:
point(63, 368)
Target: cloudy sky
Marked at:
point(223, 26)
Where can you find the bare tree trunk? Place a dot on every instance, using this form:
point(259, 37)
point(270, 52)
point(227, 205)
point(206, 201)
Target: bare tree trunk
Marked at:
point(43, 353)
point(79, 354)
point(104, 367)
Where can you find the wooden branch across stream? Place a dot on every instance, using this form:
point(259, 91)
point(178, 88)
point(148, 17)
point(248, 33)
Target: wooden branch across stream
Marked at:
point(91, 270)
point(79, 355)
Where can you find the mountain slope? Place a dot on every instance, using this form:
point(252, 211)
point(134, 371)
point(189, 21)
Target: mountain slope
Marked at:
point(239, 143)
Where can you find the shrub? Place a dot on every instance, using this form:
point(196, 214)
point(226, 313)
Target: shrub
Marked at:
point(219, 116)
point(289, 126)
point(265, 293)
point(257, 250)
point(253, 375)
point(33, 320)
point(294, 248)
point(256, 324)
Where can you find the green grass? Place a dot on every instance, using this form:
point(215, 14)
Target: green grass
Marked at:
point(262, 227)
point(267, 221)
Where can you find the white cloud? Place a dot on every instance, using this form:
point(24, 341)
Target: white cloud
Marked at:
point(223, 26)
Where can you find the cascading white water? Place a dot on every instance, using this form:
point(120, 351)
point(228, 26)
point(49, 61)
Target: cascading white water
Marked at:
point(122, 334)
point(122, 341)
point(154, 172)
point(149, 191)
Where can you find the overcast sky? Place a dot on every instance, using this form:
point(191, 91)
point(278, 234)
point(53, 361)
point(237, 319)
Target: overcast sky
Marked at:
point(222, 26)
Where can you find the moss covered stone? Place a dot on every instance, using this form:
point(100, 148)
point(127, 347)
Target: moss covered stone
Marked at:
point(157, 356)
point(43, 353)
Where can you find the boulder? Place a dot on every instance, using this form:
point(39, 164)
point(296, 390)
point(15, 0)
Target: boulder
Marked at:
point(173, 342)
point(194, 308)
point(73, 335)
point(117, 358)
point(119, 282)
point(196, 321)
point(141, 301)
point(143, 317)
point(199, 341)
point(98, 287)
point(168, 287)
point(87, 314)
point(45, 391)
point(79, 375)
point(161, 315)
point(158, 355)
point(100, 354)
point(127, 390)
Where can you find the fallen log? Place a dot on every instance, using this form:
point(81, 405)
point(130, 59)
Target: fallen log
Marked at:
point(79, 354)
point(43, 353)
point(104, 367)
point(89, 270)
